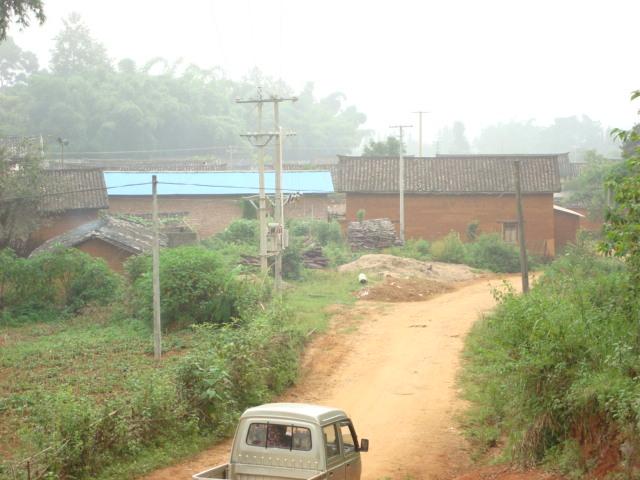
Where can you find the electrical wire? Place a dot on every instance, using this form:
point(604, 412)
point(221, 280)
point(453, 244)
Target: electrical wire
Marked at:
point(69, 192)
point(287, 190)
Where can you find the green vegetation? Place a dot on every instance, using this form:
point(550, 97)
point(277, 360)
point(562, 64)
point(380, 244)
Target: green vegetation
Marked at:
point(101, 106)
point(51, 284)
point(418, 249)
point(622, 230)
point(449, 249)
point(489, 252)
point(555, 373)
point(85, 391)
point(197, 287)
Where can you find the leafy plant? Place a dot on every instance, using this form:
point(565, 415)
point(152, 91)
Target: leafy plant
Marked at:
point(490, 252)
point(195, 287)
point(449, 249)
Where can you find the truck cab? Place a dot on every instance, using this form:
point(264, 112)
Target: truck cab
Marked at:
point(292, 441)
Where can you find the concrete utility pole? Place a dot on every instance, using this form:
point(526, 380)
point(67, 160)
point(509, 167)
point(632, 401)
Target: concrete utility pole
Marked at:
point(261, 139)
point(157, 326)
point(279, 209)
point(401, 178)
point(420, 112)
point(524, 265)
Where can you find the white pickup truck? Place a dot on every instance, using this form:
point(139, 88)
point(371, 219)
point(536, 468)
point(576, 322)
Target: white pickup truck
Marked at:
point(284, 441)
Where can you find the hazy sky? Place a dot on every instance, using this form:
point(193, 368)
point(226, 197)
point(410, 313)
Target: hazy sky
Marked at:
point(479, 61)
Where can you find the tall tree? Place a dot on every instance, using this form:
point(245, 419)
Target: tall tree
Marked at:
point(453, 139)
point(19, 202)
point(622, 227)
point(389, 147)
point(75, 50)
point(15, 64)
point(19, 11)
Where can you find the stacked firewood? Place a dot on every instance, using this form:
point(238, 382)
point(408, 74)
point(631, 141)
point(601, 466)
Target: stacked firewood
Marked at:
point(314, 258)
point(371, 234)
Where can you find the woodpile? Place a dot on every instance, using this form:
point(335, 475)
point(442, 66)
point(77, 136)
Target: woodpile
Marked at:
point(314, 258)
point(371, 234)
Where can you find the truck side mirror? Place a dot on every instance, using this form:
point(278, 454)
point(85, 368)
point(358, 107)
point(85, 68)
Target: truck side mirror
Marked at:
point(364, 445)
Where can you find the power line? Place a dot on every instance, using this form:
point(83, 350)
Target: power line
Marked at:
point(69, 192)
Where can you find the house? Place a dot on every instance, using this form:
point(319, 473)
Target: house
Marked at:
point(112, 239)
point(70, 198)
point(451, 192)
point(567, 222)
point(209, 201)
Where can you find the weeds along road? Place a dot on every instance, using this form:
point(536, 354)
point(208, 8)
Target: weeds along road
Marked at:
point(392, 367)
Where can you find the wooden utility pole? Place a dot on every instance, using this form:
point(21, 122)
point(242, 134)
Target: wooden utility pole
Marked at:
point(401, 178)
point(524, 266)
point(420, 112)
point(157, 326)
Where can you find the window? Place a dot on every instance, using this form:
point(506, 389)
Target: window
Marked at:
point(348, 438)
point(272, 435)
point(510, 232)
point(331, 441)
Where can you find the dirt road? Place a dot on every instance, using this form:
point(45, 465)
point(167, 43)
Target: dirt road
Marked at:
point(393, 368)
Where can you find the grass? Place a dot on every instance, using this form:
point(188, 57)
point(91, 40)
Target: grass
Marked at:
point(98, 355)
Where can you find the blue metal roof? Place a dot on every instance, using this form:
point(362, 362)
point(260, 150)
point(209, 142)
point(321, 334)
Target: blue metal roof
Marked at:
point(215, 183)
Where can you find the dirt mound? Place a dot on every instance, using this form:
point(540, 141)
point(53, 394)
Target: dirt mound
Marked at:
point(403, 290)
point(401, 267)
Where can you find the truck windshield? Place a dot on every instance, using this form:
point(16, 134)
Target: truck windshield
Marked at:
point(273, 435)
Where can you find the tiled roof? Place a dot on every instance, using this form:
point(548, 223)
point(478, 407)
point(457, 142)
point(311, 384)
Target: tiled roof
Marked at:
point(129, 236)
point(462, 174)
point(73, 190)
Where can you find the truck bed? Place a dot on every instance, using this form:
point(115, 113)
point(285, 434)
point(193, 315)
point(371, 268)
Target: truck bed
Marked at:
point(221, 472)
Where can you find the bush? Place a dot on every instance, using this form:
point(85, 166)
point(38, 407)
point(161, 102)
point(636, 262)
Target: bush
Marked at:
point(418, 249)
point(337, 253)
point(490, 252)
point(195, 287)
point(449, 249)
point(547, 368)
point(319, 231)
point(241, 231)
point(63, 280)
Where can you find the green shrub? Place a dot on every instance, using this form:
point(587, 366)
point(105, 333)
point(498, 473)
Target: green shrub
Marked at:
point(195, 287)
point(337, 253)
point(62, 280)
point(241, 231)
point(418, 249)
point(292, 261)
point(249, 212)
point(490, 252)
point(449, 249)
point(320, 231)
point(547, 366)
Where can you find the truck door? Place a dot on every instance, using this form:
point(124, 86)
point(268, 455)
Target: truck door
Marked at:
point(336, 469)
point(350, 454)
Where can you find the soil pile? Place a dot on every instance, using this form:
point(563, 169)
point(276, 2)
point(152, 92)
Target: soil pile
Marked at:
point(401, 267)
point(403, 290)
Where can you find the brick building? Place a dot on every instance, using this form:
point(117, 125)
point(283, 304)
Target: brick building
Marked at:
point(566, 224)
point(72, 197)
point(451, 192)
point(112, 239)
point(209, 201)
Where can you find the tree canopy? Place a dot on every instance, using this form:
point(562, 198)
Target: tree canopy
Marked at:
point(101, 105)
point(622, 227)
point(19, 11)
point(388, 147)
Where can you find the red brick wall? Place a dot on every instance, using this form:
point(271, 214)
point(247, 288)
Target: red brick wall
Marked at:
point(433, 216)
point(55, 225)
point(566, 228)
point(114, 257)
point(210, 215)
